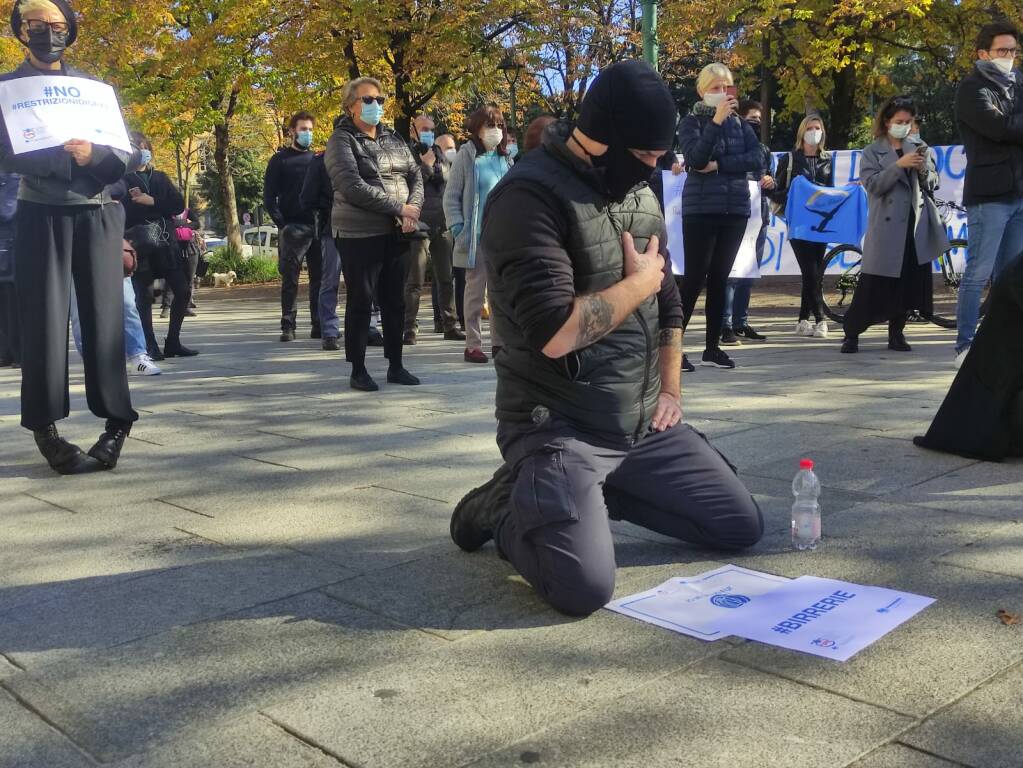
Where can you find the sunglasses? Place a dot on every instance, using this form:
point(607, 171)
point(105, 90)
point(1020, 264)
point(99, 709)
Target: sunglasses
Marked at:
point(38, 25)
point(370, 99)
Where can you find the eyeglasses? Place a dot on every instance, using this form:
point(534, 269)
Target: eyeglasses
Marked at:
point(370, 99)
point(36, 26)
point(495, 124)
point(1005, 53)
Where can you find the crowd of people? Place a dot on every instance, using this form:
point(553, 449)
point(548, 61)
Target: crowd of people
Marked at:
point(566, 244)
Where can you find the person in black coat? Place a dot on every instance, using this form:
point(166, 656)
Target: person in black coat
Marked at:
point(10, 343)
point(67, 225)
point(317, 196)
point(152, 204)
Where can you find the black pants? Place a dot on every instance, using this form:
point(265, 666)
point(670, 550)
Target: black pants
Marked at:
point(10, 336)
point(373, 266)
point(810, 257)
point(191, 259)
point(53, 244)
point(170, 265)
point(711, 243)
point(436, 250)
point(567, 485)
point(298, 243)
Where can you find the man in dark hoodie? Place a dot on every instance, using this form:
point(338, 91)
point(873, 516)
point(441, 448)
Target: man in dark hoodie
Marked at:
point(67, 225)
point(588, 382)
point(299, 241)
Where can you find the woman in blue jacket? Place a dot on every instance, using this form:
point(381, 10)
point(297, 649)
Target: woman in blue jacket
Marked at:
point(719, 150)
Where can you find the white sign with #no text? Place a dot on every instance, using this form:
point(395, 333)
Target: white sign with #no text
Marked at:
point(825, 617)
point(700, 605)
point(42, 112)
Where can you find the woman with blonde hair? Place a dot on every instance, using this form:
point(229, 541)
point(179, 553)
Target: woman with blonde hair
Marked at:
point(720, 151)
point(810, 160)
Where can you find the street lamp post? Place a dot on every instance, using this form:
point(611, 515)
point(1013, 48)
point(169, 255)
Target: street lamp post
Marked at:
point(511, 66)
point(650, 31)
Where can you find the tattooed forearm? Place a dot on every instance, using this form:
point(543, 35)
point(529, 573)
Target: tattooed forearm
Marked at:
point(596, 317)
point(670, 337)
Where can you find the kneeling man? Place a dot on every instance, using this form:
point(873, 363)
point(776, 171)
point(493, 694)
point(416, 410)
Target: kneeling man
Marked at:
point(588, 390)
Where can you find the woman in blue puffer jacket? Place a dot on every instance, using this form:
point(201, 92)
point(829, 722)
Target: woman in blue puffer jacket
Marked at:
point(719, 150)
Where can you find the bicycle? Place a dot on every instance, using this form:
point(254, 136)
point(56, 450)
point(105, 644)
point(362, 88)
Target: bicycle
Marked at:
point(838, 288)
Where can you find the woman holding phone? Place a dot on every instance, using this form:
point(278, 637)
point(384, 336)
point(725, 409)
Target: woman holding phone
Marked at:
point(897, 173)
point(720, 151)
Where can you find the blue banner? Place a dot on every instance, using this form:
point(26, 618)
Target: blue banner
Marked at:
point(826, 214)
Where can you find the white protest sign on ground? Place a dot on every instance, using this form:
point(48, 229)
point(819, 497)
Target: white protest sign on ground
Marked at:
point(778, 257)
point(43, 112)
point(825, 617)
point(699, 605)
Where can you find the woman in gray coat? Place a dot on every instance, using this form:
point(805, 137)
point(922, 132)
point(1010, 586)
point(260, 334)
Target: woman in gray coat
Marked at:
point(904, 233)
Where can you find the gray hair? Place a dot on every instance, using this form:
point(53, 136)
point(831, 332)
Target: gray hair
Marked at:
point(348, 95)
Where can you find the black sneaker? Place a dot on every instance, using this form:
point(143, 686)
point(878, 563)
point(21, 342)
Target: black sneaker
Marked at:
point(749, 332)
point(331, 344)
point(401, 376)
point(717, 358)
point(687, 367)
point(850, 346)
point(315, 333)
point(729, 339)
point(478, 515)
point(288, 335)
point(363, 382)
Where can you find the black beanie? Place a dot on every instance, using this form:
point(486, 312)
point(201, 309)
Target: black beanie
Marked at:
point(62, 5)
point(629, 103)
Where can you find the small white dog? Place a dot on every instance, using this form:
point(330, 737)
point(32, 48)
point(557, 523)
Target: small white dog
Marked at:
point(224, 279)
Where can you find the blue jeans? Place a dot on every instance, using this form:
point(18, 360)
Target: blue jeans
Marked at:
point(737, 295)
point(996, 240)
point(330, 282)
point(134, 338)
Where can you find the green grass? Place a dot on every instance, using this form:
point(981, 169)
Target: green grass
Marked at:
point(258, 269)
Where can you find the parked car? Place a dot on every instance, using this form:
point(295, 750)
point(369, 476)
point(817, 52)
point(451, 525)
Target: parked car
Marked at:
point(260, 241)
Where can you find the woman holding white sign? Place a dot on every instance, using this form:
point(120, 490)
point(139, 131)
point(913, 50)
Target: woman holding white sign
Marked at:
point(67, 225)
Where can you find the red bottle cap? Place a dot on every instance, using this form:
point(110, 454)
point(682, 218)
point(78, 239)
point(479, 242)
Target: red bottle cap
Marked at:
point(806, 464)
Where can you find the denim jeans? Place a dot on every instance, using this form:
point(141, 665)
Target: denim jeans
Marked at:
point(330, 282)
point(134, 338)
point(737, 295)
point(996, 240)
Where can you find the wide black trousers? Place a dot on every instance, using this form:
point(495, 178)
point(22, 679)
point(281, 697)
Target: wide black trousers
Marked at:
point(567, 484)
point(711, 244)
point(298, 243)
point(373, 266)
point(810, 257)
point(54, 244)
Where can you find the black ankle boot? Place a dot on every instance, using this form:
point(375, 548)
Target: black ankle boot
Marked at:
point(63, 457)
point(482, 510)
point(107, 449)
point(897, 341)
point(177, 349)
point(851, 345)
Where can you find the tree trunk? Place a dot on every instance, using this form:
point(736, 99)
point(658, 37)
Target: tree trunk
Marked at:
point(186, 185)
point(221, 155)
point(766, 83)
point(843, 107)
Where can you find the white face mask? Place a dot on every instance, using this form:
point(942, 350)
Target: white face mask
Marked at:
point(450, 154)
point(1005, 65)
point(491, 137)
point(915, 138)
point(898, 131)
point(813, 136)
point(713, 99)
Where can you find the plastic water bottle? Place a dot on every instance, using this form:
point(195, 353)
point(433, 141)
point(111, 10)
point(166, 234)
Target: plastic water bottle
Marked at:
point(806, 512)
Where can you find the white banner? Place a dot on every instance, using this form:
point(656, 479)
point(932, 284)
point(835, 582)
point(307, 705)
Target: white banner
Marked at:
point(778, 257)
point(42, 112)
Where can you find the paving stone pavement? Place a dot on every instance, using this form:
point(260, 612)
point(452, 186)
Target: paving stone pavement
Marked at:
point(267, 580)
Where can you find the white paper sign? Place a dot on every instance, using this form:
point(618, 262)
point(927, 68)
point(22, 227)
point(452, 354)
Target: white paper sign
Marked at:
point(42, 112)
point(825, 617)
point(700, 605)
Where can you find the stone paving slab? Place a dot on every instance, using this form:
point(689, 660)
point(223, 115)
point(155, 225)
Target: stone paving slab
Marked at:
point(993, 490)
point(1001, 552)
point(28, 742)
point(899, 756)
point(679, 721)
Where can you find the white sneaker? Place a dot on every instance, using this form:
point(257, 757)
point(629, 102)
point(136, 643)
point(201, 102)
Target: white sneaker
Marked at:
point(820, 331)
point(958, 363)
point(804, 328)
point(143, 365)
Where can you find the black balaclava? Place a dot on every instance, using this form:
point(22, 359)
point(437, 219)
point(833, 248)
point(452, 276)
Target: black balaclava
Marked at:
point(628, 106)
point(48, 46)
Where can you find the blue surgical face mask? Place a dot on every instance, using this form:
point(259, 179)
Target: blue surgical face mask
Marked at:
point(513, 149)
point(145, 157)
point(426, 138)
point(304, 139)
point(372, 114)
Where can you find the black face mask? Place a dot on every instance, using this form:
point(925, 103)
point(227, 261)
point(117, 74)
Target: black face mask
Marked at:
point(754, 124)
point(47, 46)
point(620, 170)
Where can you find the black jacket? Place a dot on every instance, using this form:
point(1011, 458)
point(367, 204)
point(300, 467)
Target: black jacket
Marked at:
point(8, 209)
point(51, 176)
point(169, 202)
point(550, 235)
point(990, 120)
point(435, 181)
point(736, 149)
point(282, 186)
point(820, 171)
point(317, 194)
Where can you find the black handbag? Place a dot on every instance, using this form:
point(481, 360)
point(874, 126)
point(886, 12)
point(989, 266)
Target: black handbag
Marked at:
point(148, 235)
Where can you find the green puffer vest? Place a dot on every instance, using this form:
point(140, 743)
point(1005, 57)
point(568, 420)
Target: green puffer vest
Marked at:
point(608, 388)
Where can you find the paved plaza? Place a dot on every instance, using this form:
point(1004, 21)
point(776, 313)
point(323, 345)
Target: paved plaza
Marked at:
point(267, 578)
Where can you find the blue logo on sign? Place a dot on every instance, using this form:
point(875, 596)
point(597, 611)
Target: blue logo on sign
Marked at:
point(729, 601)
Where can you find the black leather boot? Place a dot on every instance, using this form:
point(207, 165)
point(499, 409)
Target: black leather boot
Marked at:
point(177, 349)
point(897, 339)
point(107, 449)
point(63, 457)
point(482, 510)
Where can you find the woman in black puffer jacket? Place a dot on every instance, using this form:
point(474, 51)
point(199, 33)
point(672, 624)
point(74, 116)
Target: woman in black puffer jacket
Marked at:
point(719, 150)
